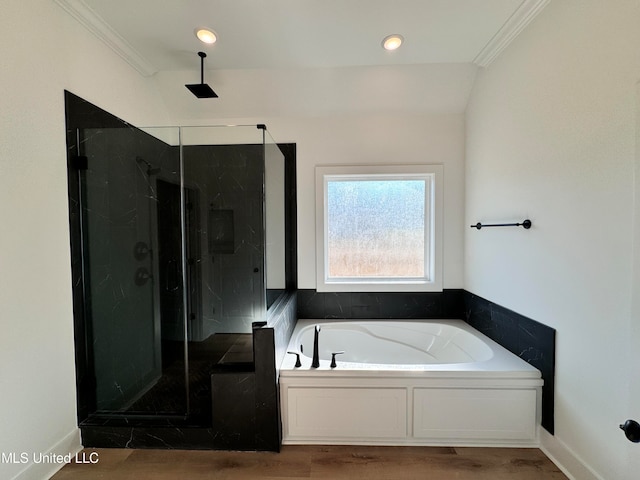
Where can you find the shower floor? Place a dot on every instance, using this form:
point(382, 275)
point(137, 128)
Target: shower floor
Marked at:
point(168, 395)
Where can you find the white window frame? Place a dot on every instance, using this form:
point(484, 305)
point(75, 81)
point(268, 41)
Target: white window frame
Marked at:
point(432, 282)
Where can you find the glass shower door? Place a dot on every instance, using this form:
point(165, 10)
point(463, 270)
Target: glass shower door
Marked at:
point(174, 257)
point(133, 274)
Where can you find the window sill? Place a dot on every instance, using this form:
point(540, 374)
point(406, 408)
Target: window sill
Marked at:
point(379, 287)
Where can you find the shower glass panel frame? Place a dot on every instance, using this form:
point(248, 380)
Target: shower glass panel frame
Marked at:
point(182, 234)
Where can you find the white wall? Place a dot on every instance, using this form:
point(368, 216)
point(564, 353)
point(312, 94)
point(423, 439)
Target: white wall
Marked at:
point(377, 140)
point(349, 115)
point(42, 52)
point(352, 138)
point(551, 136)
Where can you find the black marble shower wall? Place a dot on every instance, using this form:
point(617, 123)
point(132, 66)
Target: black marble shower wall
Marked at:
point(226, 182)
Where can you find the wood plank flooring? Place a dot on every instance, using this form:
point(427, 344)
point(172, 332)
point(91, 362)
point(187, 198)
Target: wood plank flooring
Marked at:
point(317, 462)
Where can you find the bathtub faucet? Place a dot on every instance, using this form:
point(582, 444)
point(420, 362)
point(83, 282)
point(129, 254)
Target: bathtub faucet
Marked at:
point(316, 355)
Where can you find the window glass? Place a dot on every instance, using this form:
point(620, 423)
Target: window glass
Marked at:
point(378, 228)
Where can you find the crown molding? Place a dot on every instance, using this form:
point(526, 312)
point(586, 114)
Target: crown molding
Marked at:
point(93, 22)
point(524, 15)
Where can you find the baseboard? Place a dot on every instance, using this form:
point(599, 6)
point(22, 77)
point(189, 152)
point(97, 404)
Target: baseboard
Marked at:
point(566, 460)
point(69, 446)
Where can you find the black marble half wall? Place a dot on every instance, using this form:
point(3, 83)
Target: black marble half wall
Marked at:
point(245, 410)
point(246, 405)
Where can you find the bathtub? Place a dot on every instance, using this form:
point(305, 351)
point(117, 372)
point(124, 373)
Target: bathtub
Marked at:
point(407, 382)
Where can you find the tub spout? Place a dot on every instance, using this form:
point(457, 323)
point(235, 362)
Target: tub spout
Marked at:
point(316, 354)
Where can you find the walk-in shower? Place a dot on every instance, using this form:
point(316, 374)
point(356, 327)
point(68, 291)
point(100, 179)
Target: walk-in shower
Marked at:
point(178, 248)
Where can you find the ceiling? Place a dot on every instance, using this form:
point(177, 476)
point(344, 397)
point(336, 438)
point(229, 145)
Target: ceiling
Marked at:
point(158, 35)
point(302, 58)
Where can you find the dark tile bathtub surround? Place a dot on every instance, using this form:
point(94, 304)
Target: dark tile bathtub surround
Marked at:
point(389, 305)
point(522, 336)
point(526, 338)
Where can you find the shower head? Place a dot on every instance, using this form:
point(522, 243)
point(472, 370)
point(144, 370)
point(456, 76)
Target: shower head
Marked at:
point(202, 90)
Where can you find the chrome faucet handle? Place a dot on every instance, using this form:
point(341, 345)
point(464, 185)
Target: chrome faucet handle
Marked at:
point(298, 362)
point(333, 358)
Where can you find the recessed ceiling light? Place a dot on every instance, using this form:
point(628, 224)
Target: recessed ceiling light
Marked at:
point(206, 36)
point(392, 42)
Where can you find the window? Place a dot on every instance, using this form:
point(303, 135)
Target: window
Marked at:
point(379, 228)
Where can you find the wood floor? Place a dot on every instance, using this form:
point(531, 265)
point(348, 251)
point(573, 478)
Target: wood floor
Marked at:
point(320, 462)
